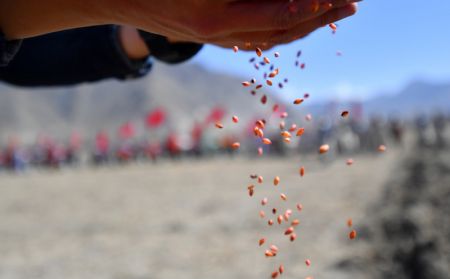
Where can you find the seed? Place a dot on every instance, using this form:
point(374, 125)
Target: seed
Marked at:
point(280, 219)
point(293, 237)
point(299, 207)
point(274, 249)
point(275, 107)
point(280, 85)
point(349, 222)
point(324, 148)
point(262, 214)
point(258, 132)
point(260, 151)
point(246, 84)
point(287, 140)
point(283, 197)
point(281, 269)
point(286, 217)
point(252, 60)
point(260, 124)
point(219, 125)
point(276, 54)
point(308, 117)
point(264, 201)
point(302, 66)
point(269, 82)
point(298, 101)
point(269, 253)
point(266, 141)
point(276, 180)
point(235, 119)
point(266, 60)
point(256, 66)
point(253, 176)
point(299, 53)
point(235, 48)
point(258, 86)
point(258, 52)
point(260, 179)
point(251, 190)
point(295, 222)
point(306, 95)
point(308, 262)
point(349, 162)
point(274, 211)
point(382, 148)
point(282, 125)
point(302, 171)
point(270, 222)
point(261, 241)
point(253, 92)
point(236, 145)
point(332, 26)
point(338, 53)
point(274, 274)
point(284, 115)
point(293, 127)
point(285, 134)
point(344, 113)
point(264, 99)
point(352, 234)
point(300, 132)
point(289, 231)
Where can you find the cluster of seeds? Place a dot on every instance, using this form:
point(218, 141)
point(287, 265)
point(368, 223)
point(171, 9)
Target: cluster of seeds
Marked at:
point(286, 133)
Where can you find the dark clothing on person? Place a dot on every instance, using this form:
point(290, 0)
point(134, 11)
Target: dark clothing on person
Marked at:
point(73, 56)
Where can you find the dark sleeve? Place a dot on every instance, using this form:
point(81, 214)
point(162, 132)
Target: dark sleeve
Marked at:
point(7, 50)
point(70, 57)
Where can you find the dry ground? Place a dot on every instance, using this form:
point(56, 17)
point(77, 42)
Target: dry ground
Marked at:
point(182, 220)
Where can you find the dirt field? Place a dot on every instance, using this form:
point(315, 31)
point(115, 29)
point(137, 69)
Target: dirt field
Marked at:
point(185, 219)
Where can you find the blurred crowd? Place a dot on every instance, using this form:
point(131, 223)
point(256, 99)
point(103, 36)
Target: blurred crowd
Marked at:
point(347, 137)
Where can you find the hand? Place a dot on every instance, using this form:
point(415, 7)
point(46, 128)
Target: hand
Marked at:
point(247, 24)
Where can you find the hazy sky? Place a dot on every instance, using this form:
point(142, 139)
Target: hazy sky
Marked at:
point(385, 46)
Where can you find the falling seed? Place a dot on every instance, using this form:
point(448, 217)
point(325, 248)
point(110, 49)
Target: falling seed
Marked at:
point(251, 190)
point(260, 124)
point(308, 117)
point(293, 237)
point(264, 201)
point(293, 127)
point(298, 101)
point(282, 125)
point(253, 176)
point(269, 82)
point(349, 162)
point(219, 125)
point(306, 95)
point(235, 119)
point(266, 60)
point(264, 99)
point(235, 48)
point(285, 80)
point(276, 54)
point(352, 234)
point(274, 249)
point(287, 140)
point(275, 107)
point(236, 145)
point(261, 241)
point(338, 53)
point(274, 274)
point(280, 219)
point(299, 53)
point(295, 222)
point(260, 179)
point(258, 86)
point(300, 132)
point(283, 197)
point(324, 148)
point(262, 214)
point(284, 115)
point(344, 114)
point(289, 231)
point(270, 222)
point(332, 26)
point(252, 60)
point(302, 171)
point(246, 84)
point(266, 141)
point(349, 222)
point(299, 207)
point(280, 85)
point(258, 52)
point(276, 180)
point(269, 253)
point(285, 134)
point(302, 66)
point(308, 262)
point(260, 151)
point(382, 148)
point(281, 269)
point(274, 211)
